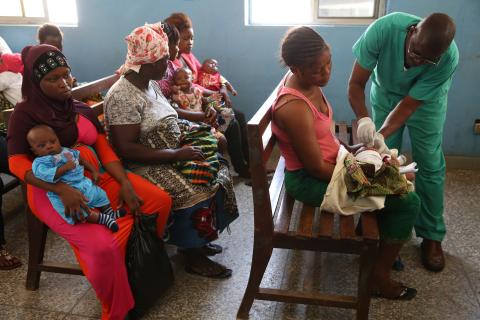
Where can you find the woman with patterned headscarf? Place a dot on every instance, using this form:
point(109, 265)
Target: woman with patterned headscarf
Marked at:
point(148, 135)
point(101, 254)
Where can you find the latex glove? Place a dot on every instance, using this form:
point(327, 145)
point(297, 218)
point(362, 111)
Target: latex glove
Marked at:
point(402, 159)
point(366, 131)
point(379, 144)
point(412, 167)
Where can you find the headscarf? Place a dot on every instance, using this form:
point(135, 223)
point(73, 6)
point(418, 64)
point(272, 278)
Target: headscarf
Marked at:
point(146, 44)
point(36, 108)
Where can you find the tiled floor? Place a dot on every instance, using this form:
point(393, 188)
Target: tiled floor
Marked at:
point(451, 294)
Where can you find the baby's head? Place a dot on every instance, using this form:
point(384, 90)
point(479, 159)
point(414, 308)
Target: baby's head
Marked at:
point(43, 141)
point(370, 156)
point(183, 78)
point(210, 66)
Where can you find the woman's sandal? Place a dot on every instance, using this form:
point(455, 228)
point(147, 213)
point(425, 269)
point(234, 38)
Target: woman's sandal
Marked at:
point(210, 249)
point(223, 272)
point(7, 261)
point(405, 295)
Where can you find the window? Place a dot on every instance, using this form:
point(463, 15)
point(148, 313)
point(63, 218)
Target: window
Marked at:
point(290, 12)
point(62, 12)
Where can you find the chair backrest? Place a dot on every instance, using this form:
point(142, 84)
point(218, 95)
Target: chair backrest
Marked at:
point(267, 198)
point(92, 88)
point(261, 142)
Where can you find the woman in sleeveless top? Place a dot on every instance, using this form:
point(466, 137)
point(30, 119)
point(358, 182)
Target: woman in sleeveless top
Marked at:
point(302, 121)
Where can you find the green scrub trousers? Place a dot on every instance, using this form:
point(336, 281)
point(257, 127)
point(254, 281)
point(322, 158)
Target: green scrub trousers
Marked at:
point(425, 128)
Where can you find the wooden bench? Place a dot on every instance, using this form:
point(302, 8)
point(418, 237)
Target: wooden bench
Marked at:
point(37, 230)
point(275, 227)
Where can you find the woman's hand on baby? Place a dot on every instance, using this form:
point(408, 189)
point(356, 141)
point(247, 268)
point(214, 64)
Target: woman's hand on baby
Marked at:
point(95, 176)
point(74, 202)
point(174, 88)
point(210, 115)
point(130, 197)
point(226, 98)
point(189, 153)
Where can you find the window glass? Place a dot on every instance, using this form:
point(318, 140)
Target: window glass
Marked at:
point(10, 8)
point(272, 12)
point(346, 8)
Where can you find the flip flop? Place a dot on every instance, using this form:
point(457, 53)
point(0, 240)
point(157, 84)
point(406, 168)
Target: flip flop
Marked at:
point(211, 249)
point(406, 294)
point(6, 256)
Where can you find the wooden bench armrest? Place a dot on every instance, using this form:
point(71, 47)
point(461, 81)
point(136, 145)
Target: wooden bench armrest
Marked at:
point(94, 87)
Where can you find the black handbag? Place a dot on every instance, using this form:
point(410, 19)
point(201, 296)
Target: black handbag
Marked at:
point(149, 270)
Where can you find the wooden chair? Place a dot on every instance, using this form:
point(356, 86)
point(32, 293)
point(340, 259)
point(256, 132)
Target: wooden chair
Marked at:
point(316, 231)
point(37, 230)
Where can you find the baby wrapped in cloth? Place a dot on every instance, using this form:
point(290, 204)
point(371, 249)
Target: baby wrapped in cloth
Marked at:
point(360, 183)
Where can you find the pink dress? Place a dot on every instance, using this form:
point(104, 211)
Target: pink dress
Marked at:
point(328, 143)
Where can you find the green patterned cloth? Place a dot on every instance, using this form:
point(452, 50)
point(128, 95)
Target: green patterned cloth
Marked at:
point(4, 105)
point(362, 180)
point(200, 172)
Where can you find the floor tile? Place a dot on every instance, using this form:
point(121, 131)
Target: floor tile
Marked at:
point(12, 312)
point(451, 294)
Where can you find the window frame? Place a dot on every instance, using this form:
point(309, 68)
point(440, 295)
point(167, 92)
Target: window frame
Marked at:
point(378, 11)
point(32, 21)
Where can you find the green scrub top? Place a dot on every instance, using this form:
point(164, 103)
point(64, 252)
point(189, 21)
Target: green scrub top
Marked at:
point(381, 49)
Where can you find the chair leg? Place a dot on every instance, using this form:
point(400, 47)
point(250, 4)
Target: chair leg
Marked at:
point(37, 236)
point(260, 258)
point(367, 261)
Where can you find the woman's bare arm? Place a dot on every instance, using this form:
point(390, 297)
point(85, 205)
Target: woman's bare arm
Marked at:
point(296, 119)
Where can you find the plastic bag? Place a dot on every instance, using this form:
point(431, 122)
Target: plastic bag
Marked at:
point(150, 273)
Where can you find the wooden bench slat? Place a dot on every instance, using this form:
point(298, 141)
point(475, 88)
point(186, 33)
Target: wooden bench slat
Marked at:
point(67, 268)
point(354, 132)
point(276, 185)
point(294, 296)
point(12, 184)
point(343, 132)
point(369, 226)
point(284, 214)
point(305, 226)
point(91, 88)
point(268, 141)
point(347, 227)
point(325, 224)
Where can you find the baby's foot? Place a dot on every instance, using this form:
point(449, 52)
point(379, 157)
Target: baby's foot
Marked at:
point(108, 221)
point(115, 214)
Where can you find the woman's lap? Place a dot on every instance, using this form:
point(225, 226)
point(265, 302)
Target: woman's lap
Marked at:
point(395, 222)
point(97, 249)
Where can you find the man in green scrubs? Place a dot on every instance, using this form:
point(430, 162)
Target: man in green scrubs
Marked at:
point(411, 62)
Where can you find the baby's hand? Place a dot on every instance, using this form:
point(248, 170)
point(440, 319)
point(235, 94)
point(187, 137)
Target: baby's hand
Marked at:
point(70, 165)
point(233, 91)
point(175, 89)
point(95, 176)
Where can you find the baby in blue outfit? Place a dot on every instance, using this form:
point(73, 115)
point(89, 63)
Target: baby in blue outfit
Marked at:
point(55, 163)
